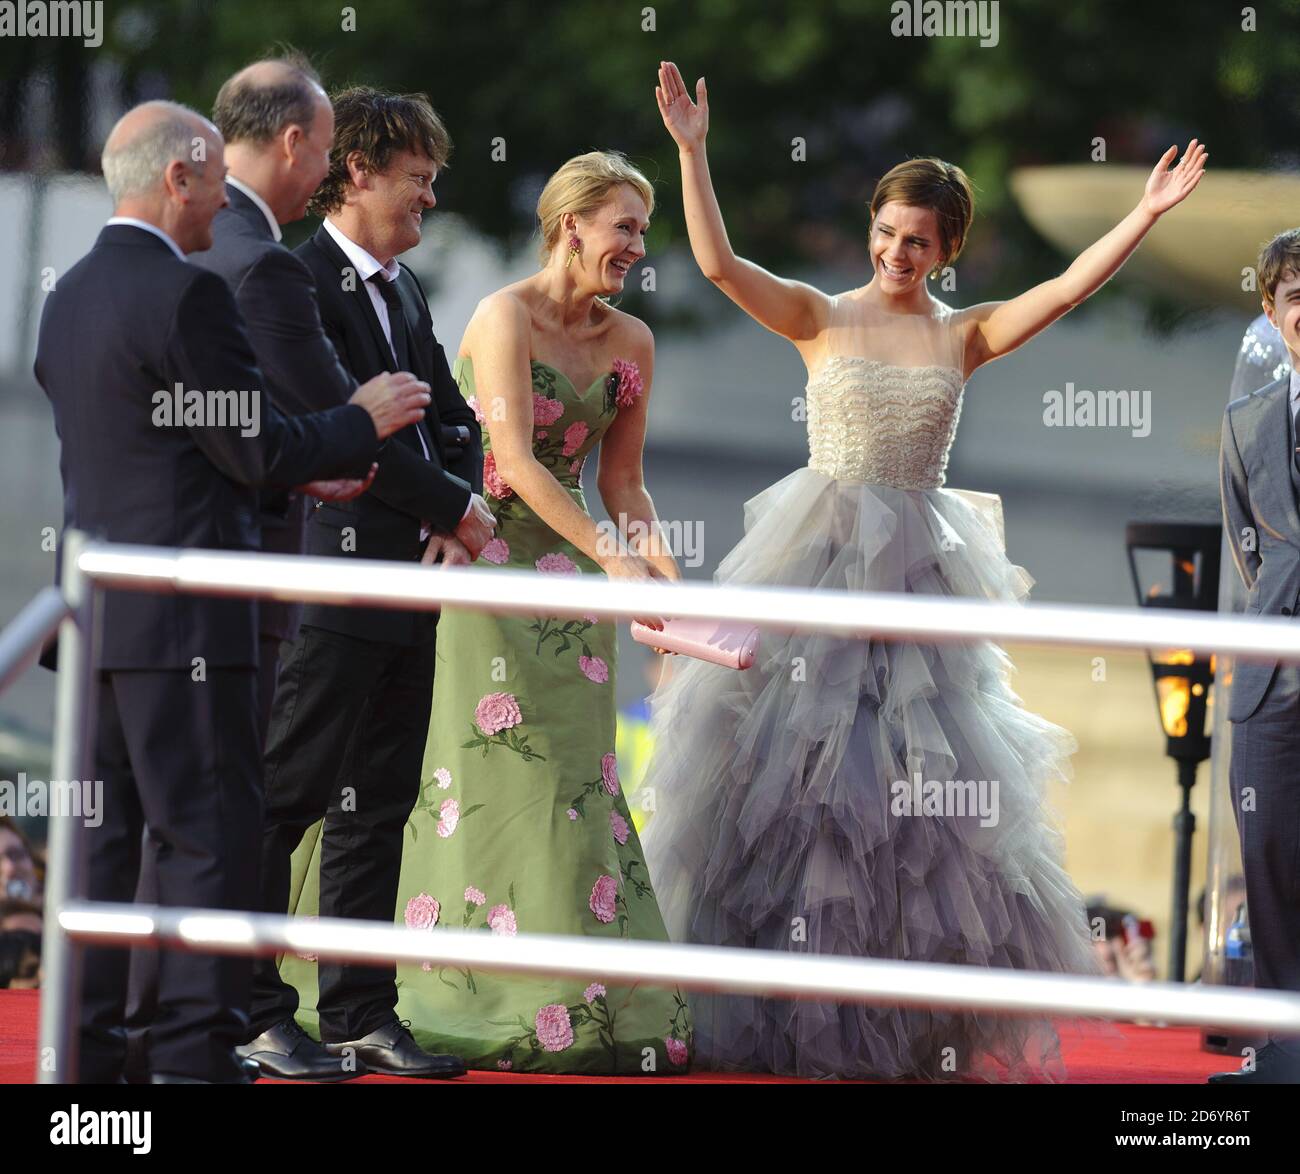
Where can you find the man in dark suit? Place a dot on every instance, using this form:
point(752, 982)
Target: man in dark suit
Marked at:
point(278, 125)
point(1259, 464)
point(165, 437)
point(351, 712)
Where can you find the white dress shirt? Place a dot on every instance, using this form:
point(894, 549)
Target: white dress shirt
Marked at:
point(261, 204)
point(153, 228)
point(366, 267)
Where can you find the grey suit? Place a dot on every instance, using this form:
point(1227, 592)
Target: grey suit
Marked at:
point(1259, 486)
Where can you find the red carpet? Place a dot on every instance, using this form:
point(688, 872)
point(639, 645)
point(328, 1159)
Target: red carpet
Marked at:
point(1134, 1055)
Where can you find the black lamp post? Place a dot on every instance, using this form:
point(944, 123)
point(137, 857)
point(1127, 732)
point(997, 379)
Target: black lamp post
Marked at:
point(1176, 565)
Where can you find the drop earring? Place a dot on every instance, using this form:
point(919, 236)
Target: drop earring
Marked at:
point(574, 245)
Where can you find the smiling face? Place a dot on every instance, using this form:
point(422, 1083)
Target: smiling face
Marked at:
point(613, 239)
point(392, 202)
point(904, 247)
point(198, 189)
point(1284, 313)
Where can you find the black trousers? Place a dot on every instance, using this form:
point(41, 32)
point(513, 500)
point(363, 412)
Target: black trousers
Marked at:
point(142, 982)
point(1265, 753)
point(182, 756)
point(346, 744)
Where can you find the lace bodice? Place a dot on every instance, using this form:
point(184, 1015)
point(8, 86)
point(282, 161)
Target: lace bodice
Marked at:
point(887, 420)
point(871, 421)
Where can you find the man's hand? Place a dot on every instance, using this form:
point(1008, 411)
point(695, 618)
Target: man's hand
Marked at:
point(340, 489)
point(476, 527)
point(446, 551)
point(393, 401)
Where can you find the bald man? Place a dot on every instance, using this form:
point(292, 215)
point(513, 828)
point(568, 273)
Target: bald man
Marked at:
point(278, 125)
point(166, 438)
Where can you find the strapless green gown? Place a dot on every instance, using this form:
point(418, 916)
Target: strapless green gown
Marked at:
point(522, 825)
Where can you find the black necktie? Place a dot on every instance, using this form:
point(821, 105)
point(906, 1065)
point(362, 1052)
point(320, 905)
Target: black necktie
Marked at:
point(396, 319)
point(401, 337)
point(1295, 439)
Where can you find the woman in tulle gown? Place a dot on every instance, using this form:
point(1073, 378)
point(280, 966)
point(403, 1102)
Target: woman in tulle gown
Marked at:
point(786, 796)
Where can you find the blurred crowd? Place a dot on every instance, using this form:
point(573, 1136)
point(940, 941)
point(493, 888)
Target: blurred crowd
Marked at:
point(22, 887)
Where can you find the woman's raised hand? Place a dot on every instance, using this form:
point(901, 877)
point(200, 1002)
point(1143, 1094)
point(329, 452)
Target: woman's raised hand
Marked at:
point(687, 121)
point(1166, 188)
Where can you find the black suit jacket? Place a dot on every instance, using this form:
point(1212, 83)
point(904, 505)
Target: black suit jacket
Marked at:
point(131, 319)
point(276, 295)
point(408, 490)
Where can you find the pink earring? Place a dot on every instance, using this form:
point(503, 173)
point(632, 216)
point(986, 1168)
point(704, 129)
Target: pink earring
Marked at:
point(574, 245)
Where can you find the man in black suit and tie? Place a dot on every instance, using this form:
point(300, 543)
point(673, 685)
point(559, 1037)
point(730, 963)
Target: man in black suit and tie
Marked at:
point(278, 125)
point(165, 439)
point(351, 712)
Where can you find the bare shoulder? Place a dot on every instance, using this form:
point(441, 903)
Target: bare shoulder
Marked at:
point(630, 337)
point(502, 312)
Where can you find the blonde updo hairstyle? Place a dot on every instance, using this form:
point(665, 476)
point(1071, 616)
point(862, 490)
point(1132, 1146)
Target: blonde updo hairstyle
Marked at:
point(944, 188)
point(581, 186)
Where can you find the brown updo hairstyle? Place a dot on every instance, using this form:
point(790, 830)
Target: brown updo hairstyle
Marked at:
point(931, 183)
point(581, 186)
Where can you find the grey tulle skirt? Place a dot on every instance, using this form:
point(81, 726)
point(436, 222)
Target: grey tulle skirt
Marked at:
point(784, 813)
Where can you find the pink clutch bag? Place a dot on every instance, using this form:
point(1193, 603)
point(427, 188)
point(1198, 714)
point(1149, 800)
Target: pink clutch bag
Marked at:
point(718, 641)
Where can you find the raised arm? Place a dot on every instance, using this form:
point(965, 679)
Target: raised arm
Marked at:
point(791, 309)
point(994, 329)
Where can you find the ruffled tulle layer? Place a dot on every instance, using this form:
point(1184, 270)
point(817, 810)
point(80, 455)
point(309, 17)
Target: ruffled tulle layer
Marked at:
point(785, 797)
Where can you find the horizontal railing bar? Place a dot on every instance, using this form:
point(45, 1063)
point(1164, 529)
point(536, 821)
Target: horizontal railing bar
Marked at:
point(771, 973)
point(369, 582)
point(22, 637)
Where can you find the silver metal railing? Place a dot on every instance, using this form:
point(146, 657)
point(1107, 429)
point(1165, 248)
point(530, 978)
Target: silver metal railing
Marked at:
point(89, 568)
point(775, 973)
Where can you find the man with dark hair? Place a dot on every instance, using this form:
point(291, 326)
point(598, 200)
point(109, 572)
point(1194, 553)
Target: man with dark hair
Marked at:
point(351, 711)
point(370, 128)
point(1259, 481)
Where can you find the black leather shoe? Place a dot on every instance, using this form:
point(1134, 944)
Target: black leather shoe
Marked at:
point(286, 1052)
point(1272, 1066)
point(392, 1051)
point(249, 1067)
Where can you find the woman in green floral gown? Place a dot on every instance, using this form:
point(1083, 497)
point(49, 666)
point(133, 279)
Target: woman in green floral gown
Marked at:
point(522, 825)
